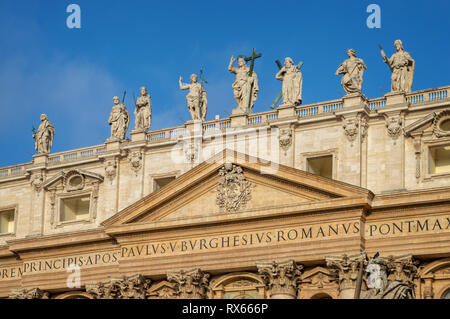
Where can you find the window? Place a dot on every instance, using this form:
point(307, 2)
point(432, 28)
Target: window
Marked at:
point(439, 159)
point(446, 294)
point(7, 221)
point(73, 209)
point(161, 182)
point(322, 166)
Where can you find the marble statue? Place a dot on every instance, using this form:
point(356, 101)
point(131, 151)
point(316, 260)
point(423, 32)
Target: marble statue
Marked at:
point(143, 111)
point(353, 70)
point(196, 99)
point(379, 287)
point(119, 120)
point(43, 138)
point(402, 67)
point(245, 87)
point(292, 83)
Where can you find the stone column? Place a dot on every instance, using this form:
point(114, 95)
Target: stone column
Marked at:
point(191, 284)
point(282, 279)
point(347, 268)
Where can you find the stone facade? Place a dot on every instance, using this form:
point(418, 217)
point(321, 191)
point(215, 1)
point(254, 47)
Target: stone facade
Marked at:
point(380, 151)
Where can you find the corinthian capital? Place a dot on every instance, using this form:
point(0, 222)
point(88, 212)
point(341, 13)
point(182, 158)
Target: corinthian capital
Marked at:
point(131, 287)
point(191, 284)
point(33, 293)
point(347, 268)
point(281, 278)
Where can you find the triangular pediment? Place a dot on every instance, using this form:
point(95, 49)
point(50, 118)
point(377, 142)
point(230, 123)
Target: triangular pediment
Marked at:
point(430, 123)
point(235, 184)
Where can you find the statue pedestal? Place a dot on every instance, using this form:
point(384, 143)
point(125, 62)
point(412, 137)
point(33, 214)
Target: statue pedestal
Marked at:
point(41, 158)
point(238, 118)
point(138, 136)
point(286, 111)
point(112, 145)
point(354, 99)
point(394, 98)
point(194, 127)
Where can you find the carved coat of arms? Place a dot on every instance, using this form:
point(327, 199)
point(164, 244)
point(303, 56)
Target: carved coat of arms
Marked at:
point(233, 191)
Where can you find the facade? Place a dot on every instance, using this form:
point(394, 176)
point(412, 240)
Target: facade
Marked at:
point(278, 204)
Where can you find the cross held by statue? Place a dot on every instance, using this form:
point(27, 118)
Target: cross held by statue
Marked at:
point(252, 58)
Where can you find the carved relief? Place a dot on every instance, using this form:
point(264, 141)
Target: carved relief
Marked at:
point(364, 127)
point(319, 282)
point(394, 126)
point(191, 153)
point(241, 285)
point(191, 284)
point(285, 139)
point(33, 293)
point(350, 127)
point(73, 181)
point(110, 169)
point(37, 181)
point(162, 290)
point(281, 278)
point(417, 150)
point(402, 268)
point(135, 159)
point(233, 191)
point(441, 124)
point(131, 287)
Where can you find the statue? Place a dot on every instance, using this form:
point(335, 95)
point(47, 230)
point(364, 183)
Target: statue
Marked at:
point(119, 120)
point(196, 99)
point(245, 87)
point(379, 285)
point(44, 136)
point(353, 70)
point(292, 83)
point(143, 111)
point(402, 67)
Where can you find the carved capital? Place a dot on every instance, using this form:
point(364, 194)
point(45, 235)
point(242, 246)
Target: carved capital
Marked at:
point(110, 169)
point(233, 191)
point(37, 180)
point(402, 268)
point(135, 158)
point(281, 278)
point(285, 138)
point(347, 268)
point(394, 125)
point(33, 293)
point(351, 127)
point(191, 284)
point(126, 287)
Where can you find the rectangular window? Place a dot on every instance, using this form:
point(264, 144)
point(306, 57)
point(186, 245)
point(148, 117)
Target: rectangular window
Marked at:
point(439, 159)
point(7, 221)
point(322, 166)
point(73, 209)
point(161, 182)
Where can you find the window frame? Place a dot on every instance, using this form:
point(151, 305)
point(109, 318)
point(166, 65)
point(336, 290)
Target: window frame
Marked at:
point(311, 155)
point(427, 145)
point(73, 195)
point(6, 209)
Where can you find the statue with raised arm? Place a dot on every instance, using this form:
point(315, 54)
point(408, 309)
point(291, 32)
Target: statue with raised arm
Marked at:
point(43, 138)
point(292, 83)
point(119, 120)
point(379, 287)
point(143, 111)
point(196, 99)
point(353, 70)
point(245, 86)
point(402, 67)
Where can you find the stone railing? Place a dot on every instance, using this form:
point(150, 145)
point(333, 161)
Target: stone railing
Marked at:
point(262, 118)
point(76, 155)
point(319, 108)
point(429, 95)
point(375, 104)
point(216, 125)
point(165, 134)
point(13, 170)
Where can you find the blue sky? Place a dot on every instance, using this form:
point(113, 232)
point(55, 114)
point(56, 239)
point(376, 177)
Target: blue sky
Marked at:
point(72, 75)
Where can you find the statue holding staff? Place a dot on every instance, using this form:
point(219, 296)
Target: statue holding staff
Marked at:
point(245, 87)
point(44, 136)
point(196, 99)
point(402, 67)
point(292, 83)
point(353, 70)
point(119, 120)
point(143, 111)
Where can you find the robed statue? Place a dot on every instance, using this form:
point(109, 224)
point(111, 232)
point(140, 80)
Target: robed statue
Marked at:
point(143, 111)
point(245, 87)
point(353, 70)
point(119, 120)
point(43, 137)
point(196, 99)
point(402, 67)
point(379, 287)
point(292, 83)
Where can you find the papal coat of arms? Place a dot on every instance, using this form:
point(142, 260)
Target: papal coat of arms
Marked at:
point(233, 191)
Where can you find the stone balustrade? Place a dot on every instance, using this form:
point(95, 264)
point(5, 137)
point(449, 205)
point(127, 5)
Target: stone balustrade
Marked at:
point(255, 119)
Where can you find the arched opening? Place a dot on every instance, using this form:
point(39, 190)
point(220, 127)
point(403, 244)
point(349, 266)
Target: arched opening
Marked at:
point(446, 294)
point(74, 295)
point(321, 295)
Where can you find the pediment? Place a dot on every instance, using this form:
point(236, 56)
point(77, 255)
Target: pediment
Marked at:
point(430, 123)
point(234, 184)
point(64, 178)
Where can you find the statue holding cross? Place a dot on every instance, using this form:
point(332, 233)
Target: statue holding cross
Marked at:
point(245, 87)
point(292, 82)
